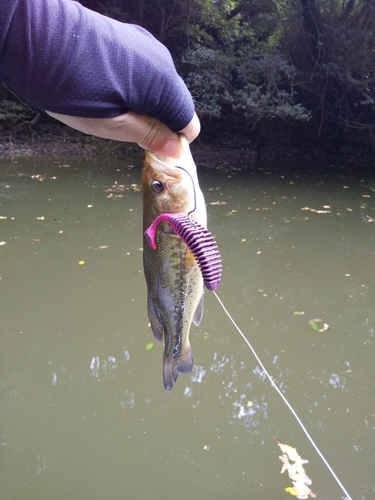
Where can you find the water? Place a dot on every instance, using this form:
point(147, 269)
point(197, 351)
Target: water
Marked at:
point(83, 409)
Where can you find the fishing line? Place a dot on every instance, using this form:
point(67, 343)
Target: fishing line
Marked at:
point(195, 194)
point(348, 497)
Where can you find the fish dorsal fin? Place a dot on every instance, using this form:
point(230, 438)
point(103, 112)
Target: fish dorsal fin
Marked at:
point(156, 326)
point(198, 315)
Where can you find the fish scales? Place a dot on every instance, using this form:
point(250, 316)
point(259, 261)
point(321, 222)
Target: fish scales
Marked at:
point(174, 280)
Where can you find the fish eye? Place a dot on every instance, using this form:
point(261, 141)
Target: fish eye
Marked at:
point(157, 186)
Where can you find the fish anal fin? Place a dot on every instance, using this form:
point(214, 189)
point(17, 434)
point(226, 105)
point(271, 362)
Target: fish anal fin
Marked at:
point(185, 361)
point(181, 363)
point(198, 315)
point(156, 326)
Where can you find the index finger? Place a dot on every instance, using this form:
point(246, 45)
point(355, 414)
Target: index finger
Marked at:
point(192, 130)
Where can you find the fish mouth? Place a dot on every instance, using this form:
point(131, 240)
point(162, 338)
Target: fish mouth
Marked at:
point(198, 239)
point(163, 164)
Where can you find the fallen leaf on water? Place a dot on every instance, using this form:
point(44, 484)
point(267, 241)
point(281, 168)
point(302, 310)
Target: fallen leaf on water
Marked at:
point(320, 211)
point(40, 218)
point(37, 177)
point(291, 452)
point(300, 493)
point(324, 328)
point(293, 464)
point(2, 217)
point(117, 190)
point(319, 325)
point(315, 211)
point(81, 262)
point(298, 313)
point(149, 346)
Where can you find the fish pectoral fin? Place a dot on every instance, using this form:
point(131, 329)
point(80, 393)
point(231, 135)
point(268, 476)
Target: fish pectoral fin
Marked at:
point(172, 366)
point(198, 315)
point(156, 326)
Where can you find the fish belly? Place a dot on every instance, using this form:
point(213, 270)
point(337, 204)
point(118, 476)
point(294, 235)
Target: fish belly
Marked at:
point(175, 300)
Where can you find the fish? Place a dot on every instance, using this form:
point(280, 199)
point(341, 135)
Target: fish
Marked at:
point(173, 277)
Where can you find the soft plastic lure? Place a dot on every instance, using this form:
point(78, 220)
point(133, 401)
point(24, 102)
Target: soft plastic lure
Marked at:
point(200, 242)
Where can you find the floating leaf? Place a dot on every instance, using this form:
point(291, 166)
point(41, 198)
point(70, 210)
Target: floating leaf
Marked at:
point(315, 211)
point(81, 262)
point(298, 313)
point(324, 328)
point(300, 491)
point(149, 346)
point(291, 452)
point(319, 325)
point(293, 464)
point(292, 491)
point(320, 211)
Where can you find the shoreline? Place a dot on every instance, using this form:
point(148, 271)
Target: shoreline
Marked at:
point(61, 142)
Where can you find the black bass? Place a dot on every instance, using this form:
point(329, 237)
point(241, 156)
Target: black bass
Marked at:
point(174, 279)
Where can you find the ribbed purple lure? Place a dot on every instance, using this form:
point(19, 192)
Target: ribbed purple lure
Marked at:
point(200, 242)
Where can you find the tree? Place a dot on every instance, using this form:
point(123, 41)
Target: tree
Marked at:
point(333, 46)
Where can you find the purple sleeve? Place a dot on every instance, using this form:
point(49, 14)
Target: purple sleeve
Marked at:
point(64, 58)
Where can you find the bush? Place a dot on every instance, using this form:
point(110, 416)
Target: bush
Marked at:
point(243, 88)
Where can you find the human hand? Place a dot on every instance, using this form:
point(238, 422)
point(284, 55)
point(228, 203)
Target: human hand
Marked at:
point(148, 132)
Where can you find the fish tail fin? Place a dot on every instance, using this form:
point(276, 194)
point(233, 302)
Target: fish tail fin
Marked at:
point(172, 366)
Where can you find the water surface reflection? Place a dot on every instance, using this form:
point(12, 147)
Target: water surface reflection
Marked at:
point(83, 409)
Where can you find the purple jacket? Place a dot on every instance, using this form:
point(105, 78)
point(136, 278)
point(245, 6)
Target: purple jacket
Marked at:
point(64, 58)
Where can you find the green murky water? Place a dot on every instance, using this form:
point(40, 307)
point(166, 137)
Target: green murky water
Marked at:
point(83, 409)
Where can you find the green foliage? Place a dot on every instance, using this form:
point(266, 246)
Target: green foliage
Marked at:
point(332, 43)
point(294, 60)
point(14, 112)
point(206, 73)
point(235, 68)
point(242, 88)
